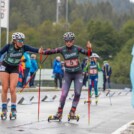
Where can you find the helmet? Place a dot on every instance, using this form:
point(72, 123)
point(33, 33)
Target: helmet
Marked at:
point(18, 35)
point(94, 55)
point(68, 36)
point(105, 62)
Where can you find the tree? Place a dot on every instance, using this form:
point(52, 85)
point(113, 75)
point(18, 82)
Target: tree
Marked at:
point(104, 38)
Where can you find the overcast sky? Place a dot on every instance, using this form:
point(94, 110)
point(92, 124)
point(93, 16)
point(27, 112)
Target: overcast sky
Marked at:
point(132, 0)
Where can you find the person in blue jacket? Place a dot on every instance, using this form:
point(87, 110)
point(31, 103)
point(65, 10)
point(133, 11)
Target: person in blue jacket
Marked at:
point(57, 71)
point(33, 70)
point(27, 61)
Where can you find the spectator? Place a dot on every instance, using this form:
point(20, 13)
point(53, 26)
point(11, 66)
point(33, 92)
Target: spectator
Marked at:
point(107, 71)
point(57, 71)
point(33, 70)
point(21, 72)
point(27, 61)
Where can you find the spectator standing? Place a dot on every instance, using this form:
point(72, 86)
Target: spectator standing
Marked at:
point(21, 72)
point(57, 71)
point(33, 70)
point(27, 67)
point(107, 71)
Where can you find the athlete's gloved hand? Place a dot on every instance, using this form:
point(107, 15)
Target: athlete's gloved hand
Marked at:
point(41, 51)
point(89, 45)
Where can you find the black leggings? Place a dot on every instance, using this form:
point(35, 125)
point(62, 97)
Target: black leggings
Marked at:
point(67, 80)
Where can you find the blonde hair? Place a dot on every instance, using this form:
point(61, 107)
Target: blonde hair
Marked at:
point(58, 58)
point(33, 56)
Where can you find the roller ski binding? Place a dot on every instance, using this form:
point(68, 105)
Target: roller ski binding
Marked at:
point(13, 115)
point(4, 114)
point(72, 115)
point(56, 117)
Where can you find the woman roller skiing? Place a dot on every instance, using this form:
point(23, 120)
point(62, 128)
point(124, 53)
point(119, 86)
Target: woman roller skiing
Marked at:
point(73, 72)
point(10, 68)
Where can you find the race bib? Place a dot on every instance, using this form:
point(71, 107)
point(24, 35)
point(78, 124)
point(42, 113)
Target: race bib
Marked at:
point(2, 68)
point(93, 71)
point(71, 63)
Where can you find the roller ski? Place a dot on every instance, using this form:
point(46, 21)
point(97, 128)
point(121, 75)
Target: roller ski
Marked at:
point(72, 115)
point(13, 115)
point(4, 114)
point(56, 117)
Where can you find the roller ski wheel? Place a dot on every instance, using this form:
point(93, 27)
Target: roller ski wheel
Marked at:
point(4, 115)
point(12, 116)
point(51, 117)
point(76, 117)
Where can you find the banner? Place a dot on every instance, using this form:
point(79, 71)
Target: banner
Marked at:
point(4, 11)
point(132, 76)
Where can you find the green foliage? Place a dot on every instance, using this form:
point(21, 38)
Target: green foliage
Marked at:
point(105, 24)
point(104, 38)
point(121, 64)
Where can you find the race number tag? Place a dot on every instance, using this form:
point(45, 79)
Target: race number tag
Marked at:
point(71, 63)
point(2, 68)
point(93, 71)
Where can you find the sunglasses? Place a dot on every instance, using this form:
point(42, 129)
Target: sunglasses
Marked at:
point(21, 41)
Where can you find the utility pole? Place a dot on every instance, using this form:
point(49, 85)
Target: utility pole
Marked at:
point(66, 11)
point(57, 11)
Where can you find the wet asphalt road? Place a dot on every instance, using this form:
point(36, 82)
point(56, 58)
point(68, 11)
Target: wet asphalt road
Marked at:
point(104, 118)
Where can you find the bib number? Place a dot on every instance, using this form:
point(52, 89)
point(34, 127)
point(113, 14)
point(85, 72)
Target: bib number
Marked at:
point(93, 71)
point(71, 63)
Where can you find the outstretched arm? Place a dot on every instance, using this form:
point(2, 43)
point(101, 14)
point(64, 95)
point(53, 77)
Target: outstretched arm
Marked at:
point(87, 52)
point(52, 51)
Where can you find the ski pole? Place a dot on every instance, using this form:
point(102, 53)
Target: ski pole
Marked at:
point(88, 104)
point(32, 75)
point(88, 53)
point(39, 88)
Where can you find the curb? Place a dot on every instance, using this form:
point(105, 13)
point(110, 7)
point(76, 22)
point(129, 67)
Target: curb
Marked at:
point(126, 129)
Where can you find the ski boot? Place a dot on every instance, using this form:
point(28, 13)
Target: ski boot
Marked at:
point(72, 115)
point(58, 115)
point(4, 114)
point(96, 100)
point(13, 115)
